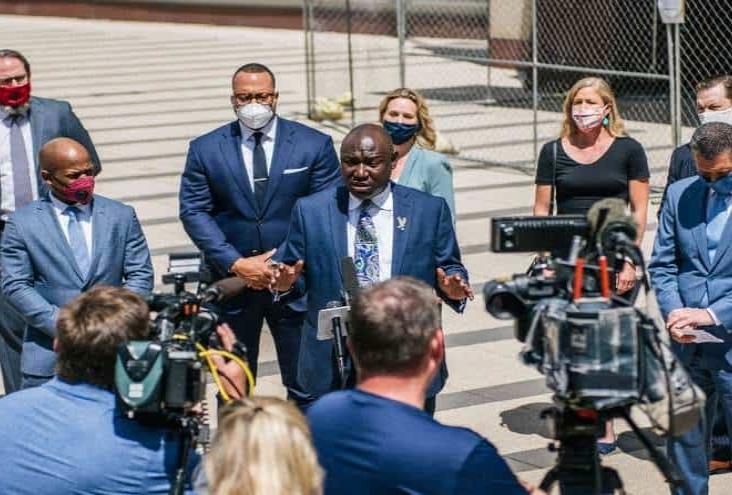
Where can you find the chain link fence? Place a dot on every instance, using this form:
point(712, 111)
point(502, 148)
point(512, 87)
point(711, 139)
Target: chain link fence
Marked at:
point(495, 72)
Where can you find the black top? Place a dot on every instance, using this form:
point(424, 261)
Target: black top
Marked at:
point(578, 186)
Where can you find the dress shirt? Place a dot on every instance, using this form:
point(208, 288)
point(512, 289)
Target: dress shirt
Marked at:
point(382, 213)
point(7, 190)
point(710, 200)
point(269, 133)
point(84, 216)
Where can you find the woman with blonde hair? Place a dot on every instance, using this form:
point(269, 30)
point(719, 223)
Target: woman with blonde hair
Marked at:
point(594, 158)
point(262, 447)
point(405, 116)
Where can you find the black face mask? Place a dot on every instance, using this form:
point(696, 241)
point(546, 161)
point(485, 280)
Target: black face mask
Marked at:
point(400, 133)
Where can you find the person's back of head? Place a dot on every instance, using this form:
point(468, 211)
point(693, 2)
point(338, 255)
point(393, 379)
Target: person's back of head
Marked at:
point(90, 328)
point(262, 447)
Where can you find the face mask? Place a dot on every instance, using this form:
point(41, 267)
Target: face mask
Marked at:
point(400, 133)
point(586, 120)
point(79, 190)
point(15, 96)
point(255, 115)
point(724, 116)
point(723, 185)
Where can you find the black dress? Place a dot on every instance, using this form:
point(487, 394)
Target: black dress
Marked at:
point(579, 186)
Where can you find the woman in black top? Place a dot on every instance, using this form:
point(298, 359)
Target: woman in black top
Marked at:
point(595, 159)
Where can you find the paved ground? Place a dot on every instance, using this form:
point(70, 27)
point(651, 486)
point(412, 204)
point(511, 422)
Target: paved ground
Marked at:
point(144, 90)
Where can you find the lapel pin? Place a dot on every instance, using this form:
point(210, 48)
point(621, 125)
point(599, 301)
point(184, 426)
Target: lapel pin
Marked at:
point(401, 223)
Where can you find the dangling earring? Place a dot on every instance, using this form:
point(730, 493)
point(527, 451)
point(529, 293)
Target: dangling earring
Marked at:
point(605, 121)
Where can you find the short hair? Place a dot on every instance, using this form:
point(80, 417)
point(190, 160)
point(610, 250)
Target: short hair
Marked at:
point(8, 53)
point(392, 324)
point(712, 140)
point(615, 125)
point(263, 446)
point(255, 68)
point(90, 328)
point(725, 81)
point(361, 129)
point(427, 136)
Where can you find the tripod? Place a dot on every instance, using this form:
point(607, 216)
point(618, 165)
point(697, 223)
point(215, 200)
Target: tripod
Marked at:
point(578, 470)
point(187, 427)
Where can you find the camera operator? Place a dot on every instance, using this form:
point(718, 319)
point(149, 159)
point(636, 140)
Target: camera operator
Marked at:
point(68, 436)
point(376, 438)
point(691, 271)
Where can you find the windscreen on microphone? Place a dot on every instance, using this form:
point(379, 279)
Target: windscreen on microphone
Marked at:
point(609, 216)
point(224, 289)
point(349, 278)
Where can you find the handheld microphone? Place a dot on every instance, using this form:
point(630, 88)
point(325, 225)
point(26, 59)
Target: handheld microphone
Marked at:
point(340, 353)
point(349, 279)
point(224, 289)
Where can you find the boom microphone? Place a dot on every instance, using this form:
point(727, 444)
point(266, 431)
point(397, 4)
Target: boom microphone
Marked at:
point(349, 278)
point(610, 223)
point(224, 289)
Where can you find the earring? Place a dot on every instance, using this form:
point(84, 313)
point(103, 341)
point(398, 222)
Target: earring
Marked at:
point(605, 121)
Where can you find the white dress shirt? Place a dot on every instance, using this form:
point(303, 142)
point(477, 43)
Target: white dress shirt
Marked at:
point(84, 216)
point(382, 212)
point(269, 133)
point(7, 189)
point(710, 200)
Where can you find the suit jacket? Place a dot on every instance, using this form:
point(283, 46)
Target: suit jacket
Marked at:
point(682, 273)
point(318, 236)
point(430, 172)
point(680, 166)
point(217, 205)
point(40, 274)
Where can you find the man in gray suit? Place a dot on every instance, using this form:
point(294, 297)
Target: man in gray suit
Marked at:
point(26, 124)
point(63, 244)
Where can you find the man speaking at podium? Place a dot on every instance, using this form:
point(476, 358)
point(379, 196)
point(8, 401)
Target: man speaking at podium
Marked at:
point(387, 229)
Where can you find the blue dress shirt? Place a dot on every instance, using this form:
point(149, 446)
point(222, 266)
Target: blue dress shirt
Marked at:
point(63, 439)
point(369, 444)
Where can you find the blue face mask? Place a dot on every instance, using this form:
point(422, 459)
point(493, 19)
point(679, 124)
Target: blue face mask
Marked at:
point(400, 133)
point(723, 185)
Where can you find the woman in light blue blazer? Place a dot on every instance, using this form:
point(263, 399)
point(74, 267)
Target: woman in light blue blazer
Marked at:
point(405, 116)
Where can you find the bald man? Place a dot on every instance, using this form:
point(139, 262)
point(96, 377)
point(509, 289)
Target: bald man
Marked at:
point(386, 228)
point(62, 244)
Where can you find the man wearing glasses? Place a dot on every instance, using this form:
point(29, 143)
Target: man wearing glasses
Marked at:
point(237, 192)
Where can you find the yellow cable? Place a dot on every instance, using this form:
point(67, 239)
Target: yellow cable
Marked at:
point(214, 371)
point(242, 364)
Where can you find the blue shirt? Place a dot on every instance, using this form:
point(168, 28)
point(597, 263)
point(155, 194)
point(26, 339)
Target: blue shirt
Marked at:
point(62, 438)
point(369, 444)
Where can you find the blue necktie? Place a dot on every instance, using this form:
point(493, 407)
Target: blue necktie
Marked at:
point(19, 160)
point(259, 168)
point(716, 220)
point(366, 247)
point(77, 241)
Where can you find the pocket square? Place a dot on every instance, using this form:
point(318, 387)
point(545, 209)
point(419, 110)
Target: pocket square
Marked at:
point(294, 170)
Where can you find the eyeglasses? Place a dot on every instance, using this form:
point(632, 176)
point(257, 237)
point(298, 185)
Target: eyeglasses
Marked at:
point(259, 98)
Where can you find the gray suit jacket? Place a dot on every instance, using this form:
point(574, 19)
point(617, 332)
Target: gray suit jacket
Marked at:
point(50, 119)
point(40, 274)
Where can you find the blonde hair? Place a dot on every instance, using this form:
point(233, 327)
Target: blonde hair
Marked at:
point(427, 135)
point(615, 125)
point(263, 447)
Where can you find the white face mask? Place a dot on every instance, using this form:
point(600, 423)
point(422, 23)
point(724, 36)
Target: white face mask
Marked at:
point(255, 115)
point(724, 116)
point(586, 120)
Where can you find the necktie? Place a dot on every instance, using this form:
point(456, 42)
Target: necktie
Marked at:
point(366, 247)
point(19, 159)
point(77, 241)
point(259, 164)
point(716, 220)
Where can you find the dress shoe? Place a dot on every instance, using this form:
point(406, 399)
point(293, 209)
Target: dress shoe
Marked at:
point(716, 466)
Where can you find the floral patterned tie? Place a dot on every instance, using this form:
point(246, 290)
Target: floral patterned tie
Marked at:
point(366, 247)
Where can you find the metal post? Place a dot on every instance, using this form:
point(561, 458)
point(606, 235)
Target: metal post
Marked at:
point(671, 84)
point(677, 76)
point(401, 21)
point(535, 74)
point(488, 48)
point(350, 63)
point(309, 55)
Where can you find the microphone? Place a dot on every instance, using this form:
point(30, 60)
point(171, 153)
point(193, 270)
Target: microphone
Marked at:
point(340, 353)
point(223, 289)
point(349, 279)
point(611, 225)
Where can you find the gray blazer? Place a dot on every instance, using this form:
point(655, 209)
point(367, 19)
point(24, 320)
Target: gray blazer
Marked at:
point(40, 274)
point(430, 172)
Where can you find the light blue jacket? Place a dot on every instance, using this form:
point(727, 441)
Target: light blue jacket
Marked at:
point(430, 172)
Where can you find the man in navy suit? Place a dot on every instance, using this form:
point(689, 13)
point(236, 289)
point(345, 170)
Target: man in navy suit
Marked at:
point(691, 271)
point(63, 244)
point(389, 230)
point(26, 124)
point(237, 192)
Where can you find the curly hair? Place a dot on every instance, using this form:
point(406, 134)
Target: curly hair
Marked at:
point(427, 135)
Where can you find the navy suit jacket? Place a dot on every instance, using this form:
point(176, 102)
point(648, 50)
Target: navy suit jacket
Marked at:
point(217, 204)
point(680, 166)
point(40, 274)
point(318, 236)
point(681, 272)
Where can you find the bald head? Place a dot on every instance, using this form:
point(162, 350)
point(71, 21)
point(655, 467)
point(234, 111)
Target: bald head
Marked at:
point(367, 132)
point(59, 152)
point(367, 160)
point(62, 162)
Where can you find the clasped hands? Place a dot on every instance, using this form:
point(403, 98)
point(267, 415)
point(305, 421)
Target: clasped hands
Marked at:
point(260, 272)
point(680, 319)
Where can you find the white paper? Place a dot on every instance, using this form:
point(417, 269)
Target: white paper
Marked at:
point(700, 336)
